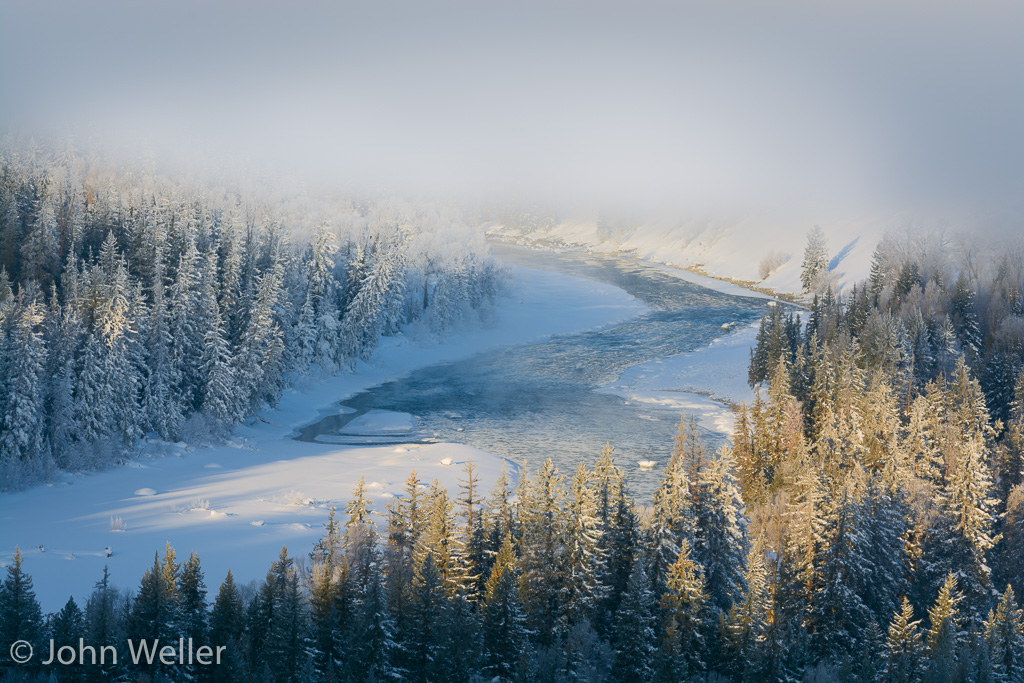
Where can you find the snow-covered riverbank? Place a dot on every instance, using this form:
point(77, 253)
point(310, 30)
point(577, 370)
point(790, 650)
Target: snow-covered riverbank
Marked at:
point(705, 383)
point(237, 503)
point(730, 247)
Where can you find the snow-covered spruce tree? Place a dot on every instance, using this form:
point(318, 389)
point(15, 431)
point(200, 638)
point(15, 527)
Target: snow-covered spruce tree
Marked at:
point(815, 262)
point(259, 360)
point(187, 330)
point(945, 635)
point(964, 317)
point(65, 628)
point(505, 643)
point(358, 509)
point(40, 253)
point(227, 623)
point(778, 338)
point(1004, 636)
point(20, 616)
point(22, 445)
point(441, 540)
point(473, 537)
point(683, 608)
point(542, 553)
point(193, 619)
point(1012, 550)
point(372, 647)
point(373, 307)
point(883, 265)
point(887, 525)
point(219, 374)
point(499, 519)
point(618, 547)
point(904, 647)
point(839, 617)
point(154, 612)
point(10, 224)
point(748, 620)
point(106, 397)
point(163, 412)
point(583, 562)
point(962, 536)
point(328, 599)
point(318, 323)
point(104, 623)
point(800, 558)
point(284, 651)
point(428, 600)
point(64, 329)
point(1016, 407)
point(673, 520)
point(459, 640)
point(634, 633)
point(720, 543)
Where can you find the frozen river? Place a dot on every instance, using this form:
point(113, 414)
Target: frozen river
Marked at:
point(550, 400)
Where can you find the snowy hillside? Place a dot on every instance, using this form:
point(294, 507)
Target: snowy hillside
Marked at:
point(736, 248)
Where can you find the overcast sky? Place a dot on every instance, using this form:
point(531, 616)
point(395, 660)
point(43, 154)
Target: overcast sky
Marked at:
point(695, 104)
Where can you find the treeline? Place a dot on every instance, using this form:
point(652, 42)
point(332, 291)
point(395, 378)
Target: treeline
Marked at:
point(550, 579)
point(135, 304)
point(559, 579)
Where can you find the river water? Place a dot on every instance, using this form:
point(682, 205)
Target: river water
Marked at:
point(537, 401)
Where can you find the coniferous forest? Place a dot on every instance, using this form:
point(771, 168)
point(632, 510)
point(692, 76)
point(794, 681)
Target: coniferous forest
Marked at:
point(866, 523)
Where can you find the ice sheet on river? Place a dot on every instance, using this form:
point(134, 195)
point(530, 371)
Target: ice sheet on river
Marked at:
point(376, 427)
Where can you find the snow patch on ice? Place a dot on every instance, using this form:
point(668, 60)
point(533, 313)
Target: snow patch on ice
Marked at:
point(380, 422)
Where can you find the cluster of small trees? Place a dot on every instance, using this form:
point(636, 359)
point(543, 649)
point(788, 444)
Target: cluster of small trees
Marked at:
point(133, 304)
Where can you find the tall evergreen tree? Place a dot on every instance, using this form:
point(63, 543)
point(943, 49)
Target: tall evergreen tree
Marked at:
point(505, 642)
point(284, 652)
point(318, 322)
point(748, 620)
point(904, 653)
point(473, 541)
point(582, 560)
point(103, 625)
point(227, 623)
point(66, 628)
point(541, 580)
point(1004, 636)
point(815, 259)
point(20, 616)
point(684, 618)
point(634, 630)
point(944, 636)
point(21, 402)
point(428, 601)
